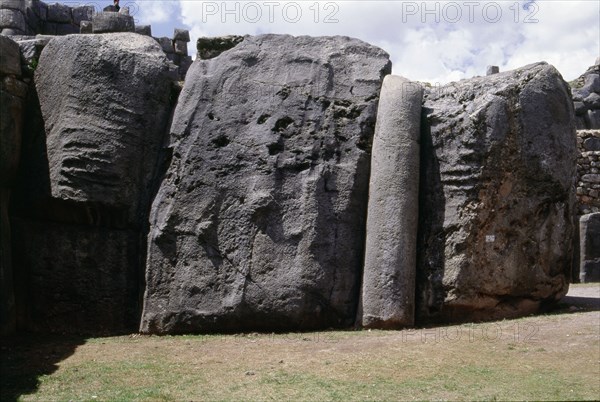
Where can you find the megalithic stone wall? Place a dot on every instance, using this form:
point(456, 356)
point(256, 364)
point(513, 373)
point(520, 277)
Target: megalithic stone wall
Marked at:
point(259, 223)
point(31, 17)
point(13, 92)
point(497, 189)
point(83, 198)
point(388, 288)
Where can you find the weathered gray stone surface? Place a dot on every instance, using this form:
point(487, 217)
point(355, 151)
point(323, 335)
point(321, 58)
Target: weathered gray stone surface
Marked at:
point(589, 235)
point(104, 113)
point(166, 44)
point(588, 167)
point(496, 224)
point(586, 94)
point(209, 48)
point(182, 34)
point(259, 222)
point(31, 50)
point(12, 112)
point(112, 22)
point(86, 27)
point(388, 287)
point(13, 19)
point(82, 13)
point(143, 30)
point(10, 62)
point(492, 70)
point(58, 12)
point(13, 4)
point(180, 47)
point(592, 119)
point(84, 194)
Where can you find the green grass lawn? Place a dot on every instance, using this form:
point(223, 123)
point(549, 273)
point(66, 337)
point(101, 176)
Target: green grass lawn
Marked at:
point(554, 357)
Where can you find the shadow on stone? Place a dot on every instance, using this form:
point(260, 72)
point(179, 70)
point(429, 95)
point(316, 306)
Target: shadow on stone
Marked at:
point(430, 293)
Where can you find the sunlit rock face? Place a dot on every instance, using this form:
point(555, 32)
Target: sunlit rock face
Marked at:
point(497, 195)
point(259, 223)
point(105, 103)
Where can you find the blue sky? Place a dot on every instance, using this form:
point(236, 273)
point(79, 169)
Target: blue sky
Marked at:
point(434, 41)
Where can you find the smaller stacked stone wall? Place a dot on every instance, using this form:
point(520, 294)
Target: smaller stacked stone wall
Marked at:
point(588, 171)
point(177, 49)
point(31, 17)
point(586, 97)
point(24, 19)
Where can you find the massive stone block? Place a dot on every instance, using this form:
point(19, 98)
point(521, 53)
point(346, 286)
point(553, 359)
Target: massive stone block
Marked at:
point(82, 13)
point(112, 22)
point(105, 101)
point(10, 63)
point(14, 20)
point(259, 223)
point(497, 191)
point(589, 257)
point(388, 288)
point(80, 278)
point(83, 198)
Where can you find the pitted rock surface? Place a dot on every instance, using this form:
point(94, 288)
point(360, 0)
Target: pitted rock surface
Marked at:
point(499, 160)
point(259, 223)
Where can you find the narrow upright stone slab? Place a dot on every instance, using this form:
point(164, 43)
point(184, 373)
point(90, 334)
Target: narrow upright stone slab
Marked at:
point(589, 235)
point(181, 47)
point(388, 293)
point(181, 34)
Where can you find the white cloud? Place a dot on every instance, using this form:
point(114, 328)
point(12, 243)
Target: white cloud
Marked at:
point(466, 38)
point(154, 12)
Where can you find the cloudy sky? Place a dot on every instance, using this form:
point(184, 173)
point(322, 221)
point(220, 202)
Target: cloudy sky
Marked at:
point(434, 41)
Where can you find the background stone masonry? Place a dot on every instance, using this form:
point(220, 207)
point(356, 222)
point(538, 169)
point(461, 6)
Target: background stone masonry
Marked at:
point(32, 23)
point(586, 98)
point(588, 171)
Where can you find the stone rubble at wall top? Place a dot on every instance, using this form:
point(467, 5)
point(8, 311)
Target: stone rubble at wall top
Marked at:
point(26, 20)
point(586, 98)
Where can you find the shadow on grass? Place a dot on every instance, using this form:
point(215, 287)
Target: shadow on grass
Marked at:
point(26, 358)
